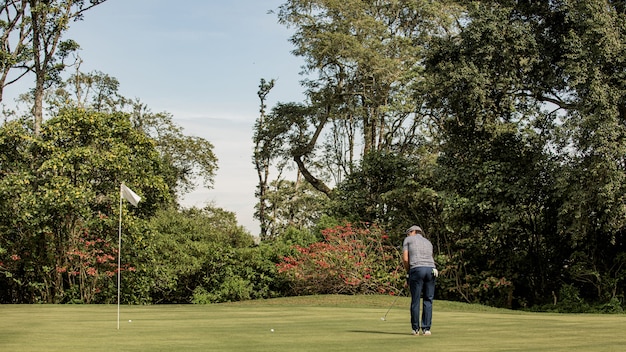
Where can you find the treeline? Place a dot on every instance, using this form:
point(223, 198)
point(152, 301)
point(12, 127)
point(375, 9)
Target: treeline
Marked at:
point(498, 126)
point(59, 211)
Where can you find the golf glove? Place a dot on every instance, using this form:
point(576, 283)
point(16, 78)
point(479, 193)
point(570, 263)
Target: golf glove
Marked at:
point(435, 272)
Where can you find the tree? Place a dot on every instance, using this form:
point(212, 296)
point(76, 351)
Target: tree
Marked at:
point(95, 91)
point(60, 195)
point(366, 54)
point(16, 54)
point(37, 27)
point(391, 191)
point(264, 153)
point(188, 242)
point(293, 206)
point(527, 106)
point(189, 158)
point(592, 215)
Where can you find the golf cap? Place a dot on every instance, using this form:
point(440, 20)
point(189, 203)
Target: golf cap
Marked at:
point(414, 228)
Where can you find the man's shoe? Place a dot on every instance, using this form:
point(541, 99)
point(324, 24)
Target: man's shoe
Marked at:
point(426, 332)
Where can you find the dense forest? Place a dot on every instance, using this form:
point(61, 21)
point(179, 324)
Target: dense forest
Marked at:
point(497, 126)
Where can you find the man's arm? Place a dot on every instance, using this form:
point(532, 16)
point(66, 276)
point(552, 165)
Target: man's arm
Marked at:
point(405, 260)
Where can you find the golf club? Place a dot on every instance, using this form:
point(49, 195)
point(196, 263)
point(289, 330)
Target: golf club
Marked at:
point(384, 318)
point(392, 303)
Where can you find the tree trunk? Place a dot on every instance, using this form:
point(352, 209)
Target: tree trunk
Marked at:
point(38, 19)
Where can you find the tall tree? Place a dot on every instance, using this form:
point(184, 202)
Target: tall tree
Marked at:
point(14, 51)
point(264, 153)
point(278, 137)
point(37, 28)
point(528, 99)
point(366, 54)
point(592, 48)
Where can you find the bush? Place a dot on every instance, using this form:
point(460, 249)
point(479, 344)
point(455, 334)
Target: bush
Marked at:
point(349, 260)
point(613, 306)
point(232, 289)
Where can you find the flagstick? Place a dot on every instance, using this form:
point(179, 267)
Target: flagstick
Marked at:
point(119, 262)
point(133, 198)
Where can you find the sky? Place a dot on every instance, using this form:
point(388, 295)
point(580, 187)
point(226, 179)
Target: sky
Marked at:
point(201, 61)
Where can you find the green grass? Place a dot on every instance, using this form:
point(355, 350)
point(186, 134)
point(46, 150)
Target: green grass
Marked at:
point(316, 323)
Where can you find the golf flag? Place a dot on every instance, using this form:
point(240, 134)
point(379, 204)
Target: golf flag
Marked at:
point(129, 195)
point(134, 199)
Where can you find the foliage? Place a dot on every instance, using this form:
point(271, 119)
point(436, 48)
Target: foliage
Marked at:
point(515, 176)
point(365, 55)
point(498, 126)
point(59, 195)
point(517, 111)
point(390, 190)
point(350, 260)
point(187, 243)
point(292, 205)
point(240, 274)
point(32, 43)
point(300, 237)
point(188, 159)
point(203, 256)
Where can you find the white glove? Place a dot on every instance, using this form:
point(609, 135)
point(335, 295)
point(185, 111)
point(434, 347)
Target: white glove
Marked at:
point(435, 272)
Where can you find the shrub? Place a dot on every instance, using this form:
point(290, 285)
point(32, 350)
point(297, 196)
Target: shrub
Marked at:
point(349, 260)
point(232, 289)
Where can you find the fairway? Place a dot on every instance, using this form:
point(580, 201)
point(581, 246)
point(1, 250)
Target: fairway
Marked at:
point(317, 323)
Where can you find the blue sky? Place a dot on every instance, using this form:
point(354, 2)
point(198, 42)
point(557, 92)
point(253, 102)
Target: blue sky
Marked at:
point(201, 61)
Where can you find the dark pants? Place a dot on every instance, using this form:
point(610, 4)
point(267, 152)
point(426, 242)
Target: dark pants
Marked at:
point(421, 279)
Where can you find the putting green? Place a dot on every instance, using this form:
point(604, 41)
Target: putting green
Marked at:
point(317, 323)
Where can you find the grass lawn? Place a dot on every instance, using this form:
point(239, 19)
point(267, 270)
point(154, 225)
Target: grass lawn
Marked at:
point(315, 323)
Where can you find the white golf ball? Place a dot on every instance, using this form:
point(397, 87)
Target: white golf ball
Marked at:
point(272, 330)
point(130, 321)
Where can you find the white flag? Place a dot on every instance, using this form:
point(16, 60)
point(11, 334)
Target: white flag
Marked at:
point(129, 195)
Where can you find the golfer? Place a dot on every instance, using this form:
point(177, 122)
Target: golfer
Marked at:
point(417, 257)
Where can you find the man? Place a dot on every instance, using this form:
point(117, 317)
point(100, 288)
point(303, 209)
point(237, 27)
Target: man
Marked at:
point(417, 257)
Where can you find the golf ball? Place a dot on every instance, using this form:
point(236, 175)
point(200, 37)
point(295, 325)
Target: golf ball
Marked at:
point(130, 321)
point(272, 330)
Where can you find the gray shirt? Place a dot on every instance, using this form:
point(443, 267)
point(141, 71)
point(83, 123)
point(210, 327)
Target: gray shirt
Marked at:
point(420, 251)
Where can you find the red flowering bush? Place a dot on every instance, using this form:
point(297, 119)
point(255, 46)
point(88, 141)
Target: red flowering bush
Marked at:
point(90, 264)
point(349, 260)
